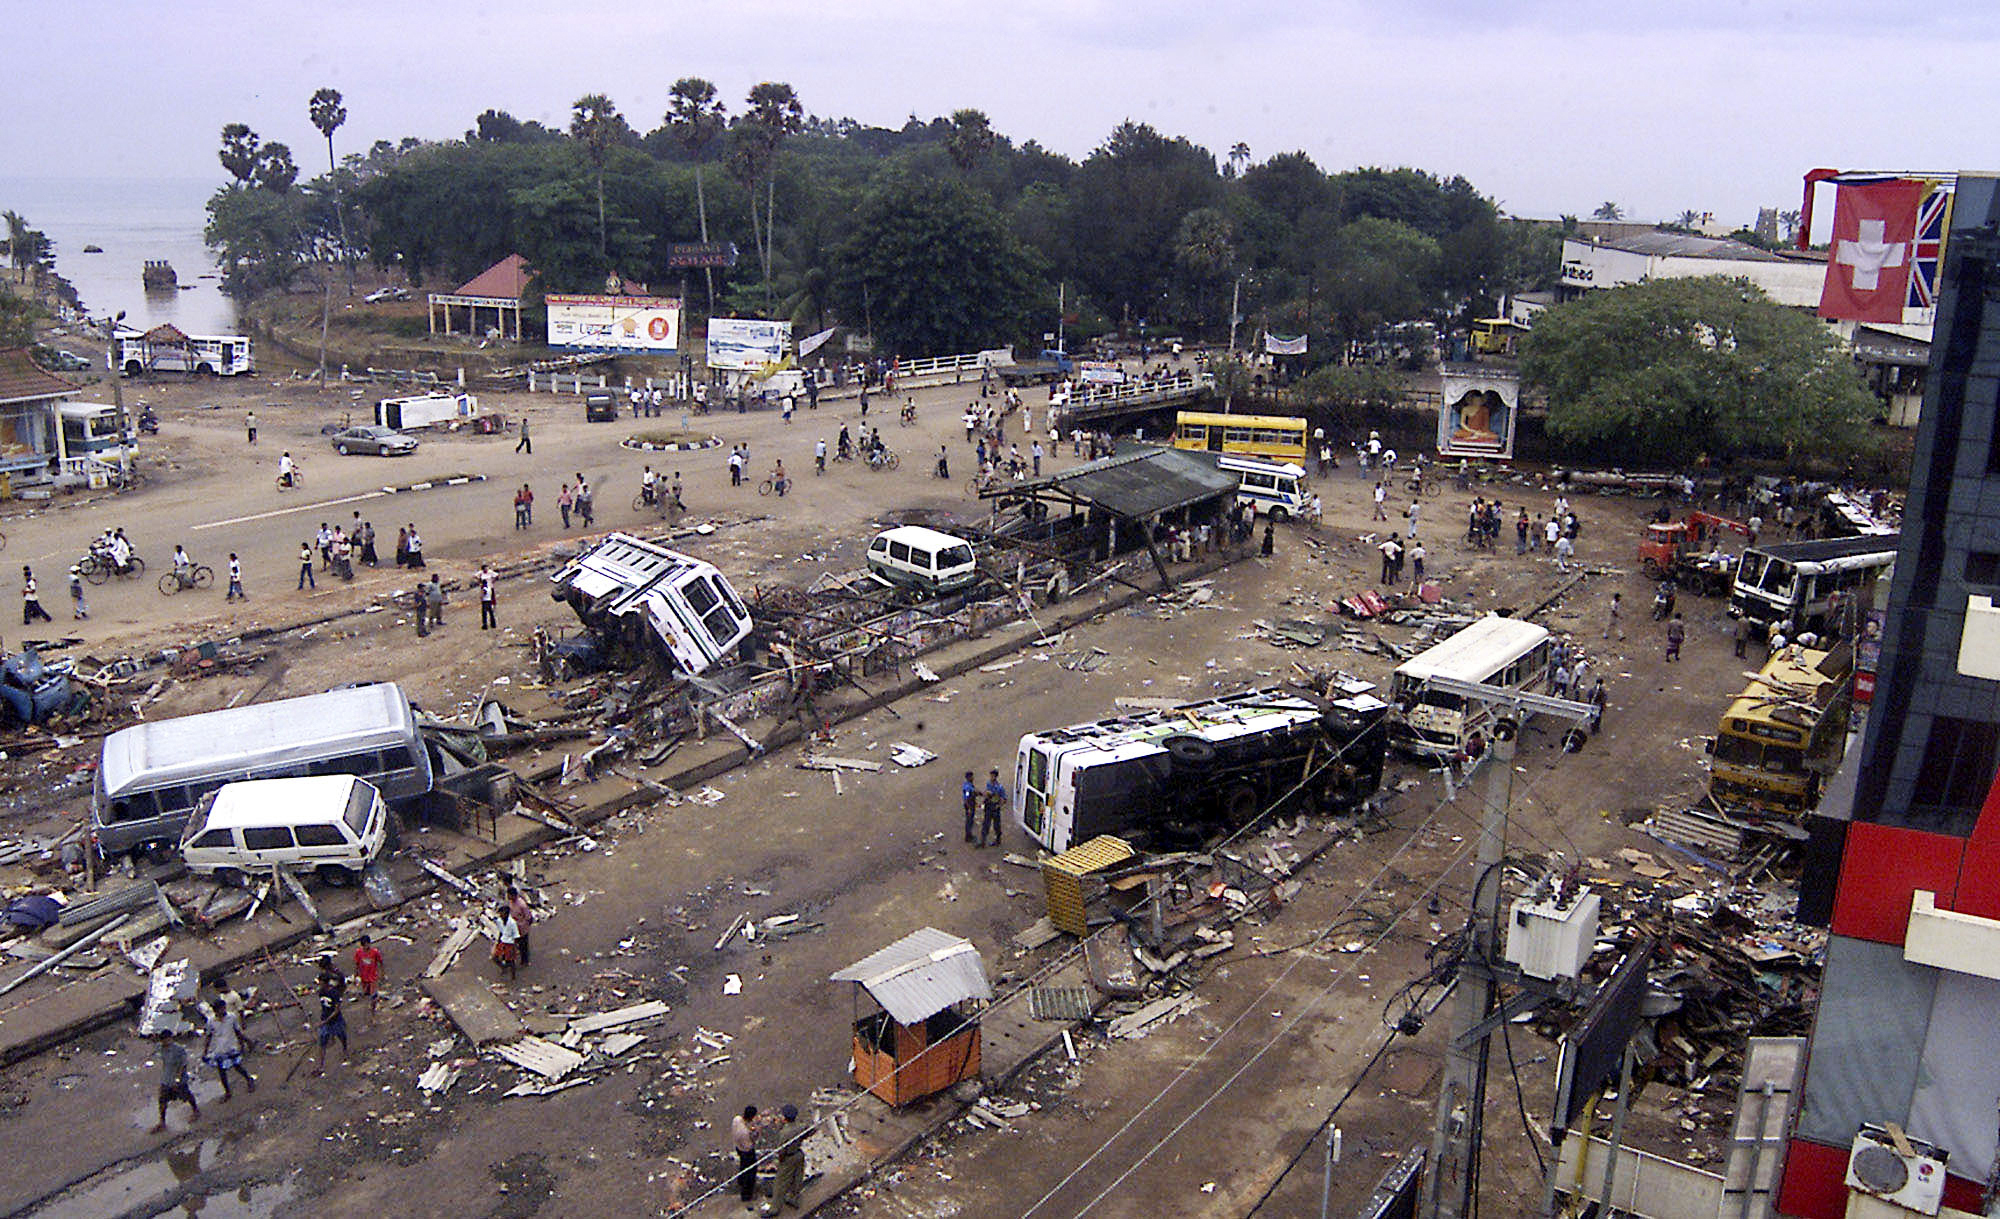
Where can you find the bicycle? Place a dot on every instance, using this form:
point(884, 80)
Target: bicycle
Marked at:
point(978, 484)
point(769, 485)
point(201, 575)
point(97, 568)
point(883, 460)
point(1429, 488)
point(298, 479)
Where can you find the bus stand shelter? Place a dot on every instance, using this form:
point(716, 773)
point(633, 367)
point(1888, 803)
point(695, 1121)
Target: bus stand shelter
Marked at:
point(924, 1037)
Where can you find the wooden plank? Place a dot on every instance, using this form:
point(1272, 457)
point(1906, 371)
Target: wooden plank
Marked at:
point(448, 951)
point(474, 1008)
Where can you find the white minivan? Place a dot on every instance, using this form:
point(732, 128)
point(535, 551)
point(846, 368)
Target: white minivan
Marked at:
point(1274, 488)
point(923, 559)
point(333, 824)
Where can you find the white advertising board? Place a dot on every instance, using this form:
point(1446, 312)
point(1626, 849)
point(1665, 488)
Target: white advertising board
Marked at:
point(746, 343)
point(615, 323)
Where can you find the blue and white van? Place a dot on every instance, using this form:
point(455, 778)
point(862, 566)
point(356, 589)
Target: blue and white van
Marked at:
point(1273, 488)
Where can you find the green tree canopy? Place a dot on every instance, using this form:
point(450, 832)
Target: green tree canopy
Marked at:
point(932, 264)
point(1674, 368)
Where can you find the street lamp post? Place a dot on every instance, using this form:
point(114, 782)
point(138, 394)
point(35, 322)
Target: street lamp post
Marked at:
point(126, 440)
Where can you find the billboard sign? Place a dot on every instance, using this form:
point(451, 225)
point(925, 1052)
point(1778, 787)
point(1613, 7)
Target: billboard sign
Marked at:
point(1100, 372)
point(1477, 415)
point(645, 324)
point(685, 254)
point(746, 343)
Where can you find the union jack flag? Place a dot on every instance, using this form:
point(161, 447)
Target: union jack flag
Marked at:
point(1933, 222)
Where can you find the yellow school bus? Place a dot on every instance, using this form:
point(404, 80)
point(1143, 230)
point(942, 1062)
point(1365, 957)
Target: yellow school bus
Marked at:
point(1783, 733)
point(1276, 436)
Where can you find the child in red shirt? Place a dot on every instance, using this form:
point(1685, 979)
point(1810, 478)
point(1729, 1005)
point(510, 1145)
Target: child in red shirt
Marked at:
point(368, 972)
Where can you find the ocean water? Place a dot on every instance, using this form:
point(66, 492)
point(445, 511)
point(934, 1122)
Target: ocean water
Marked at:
point(134, 220)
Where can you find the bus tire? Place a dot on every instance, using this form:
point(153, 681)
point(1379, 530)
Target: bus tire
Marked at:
point(1241, 804)
point(1189, 751)
point(1573, 740)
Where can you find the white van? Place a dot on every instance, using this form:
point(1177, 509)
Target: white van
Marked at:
point(924, 559)
point(1275, 488)
point(333, 824)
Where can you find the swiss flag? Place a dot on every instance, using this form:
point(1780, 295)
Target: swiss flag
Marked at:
point(1874, 243)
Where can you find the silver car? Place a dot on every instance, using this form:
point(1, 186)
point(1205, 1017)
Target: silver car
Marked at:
point(373, 438)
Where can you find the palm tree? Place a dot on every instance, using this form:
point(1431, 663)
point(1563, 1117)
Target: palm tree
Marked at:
point(1790, 219)
point(1689, 218)
point(774, 113)
point(1239, 156)
point(1608, 210)
point(594, 121)
point(328, 114)
point(696, 120)
point(969, 140)
point(17, 241)
point(239, 152)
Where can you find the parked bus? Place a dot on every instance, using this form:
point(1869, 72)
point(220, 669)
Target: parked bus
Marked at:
point(1279, 437)
point(655, 600)
point(1782, 736)
point(1797, 582)
point(1273, 488)
point(1177, 774)
point(1495, 651)
point(218, 355)
point(151, 776)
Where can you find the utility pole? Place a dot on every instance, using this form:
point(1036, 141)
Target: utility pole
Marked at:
point(1454, 1164)
point(117, 372)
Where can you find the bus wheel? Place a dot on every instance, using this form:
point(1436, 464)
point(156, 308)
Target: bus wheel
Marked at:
point(1189, 750)
point(1574, 739)
point(1242, 804)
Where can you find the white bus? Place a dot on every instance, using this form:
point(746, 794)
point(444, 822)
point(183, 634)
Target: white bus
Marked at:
point(1495, 651)
point(1178, 773)
point(151, 776)
point(216, 355)
point(1272, 488)
point(1797, 582)
point(656, 600)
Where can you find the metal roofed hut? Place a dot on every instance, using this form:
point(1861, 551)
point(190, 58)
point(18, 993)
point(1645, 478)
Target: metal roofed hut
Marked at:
point(924, 1039)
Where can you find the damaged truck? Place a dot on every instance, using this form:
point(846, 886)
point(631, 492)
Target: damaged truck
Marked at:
point(654, 603)
point(1172, 776)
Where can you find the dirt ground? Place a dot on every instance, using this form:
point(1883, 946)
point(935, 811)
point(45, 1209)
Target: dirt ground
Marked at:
point(1196, 1118)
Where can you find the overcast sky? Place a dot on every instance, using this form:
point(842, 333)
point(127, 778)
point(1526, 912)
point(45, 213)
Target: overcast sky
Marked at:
point(1549, 106)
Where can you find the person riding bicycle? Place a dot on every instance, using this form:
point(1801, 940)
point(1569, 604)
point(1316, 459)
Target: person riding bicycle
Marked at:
point(844, 447)
point(909, 410)
point(183, 566)
point(288, 470)
point(121, 551)
point(875, 445)
point(647, 495)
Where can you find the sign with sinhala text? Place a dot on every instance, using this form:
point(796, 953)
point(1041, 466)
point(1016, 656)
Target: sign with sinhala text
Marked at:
point(615, 323)
point(685, 254)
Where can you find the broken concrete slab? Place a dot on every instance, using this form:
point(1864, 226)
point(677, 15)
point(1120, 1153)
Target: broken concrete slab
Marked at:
point(475, 1009)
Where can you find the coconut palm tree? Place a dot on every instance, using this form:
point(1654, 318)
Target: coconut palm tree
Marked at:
point(696, 120)
point(327, 114)
point(594, 121)
point(1608, 210)
point(970, 138)
point(1239, 156)
point(17, 241)
point(1688, 218)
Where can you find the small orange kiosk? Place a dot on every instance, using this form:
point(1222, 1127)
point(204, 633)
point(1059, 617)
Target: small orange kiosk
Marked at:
point(925, 1038)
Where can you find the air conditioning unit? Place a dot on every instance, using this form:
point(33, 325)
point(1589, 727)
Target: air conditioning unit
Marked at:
point(1553, 937)
point(1892, 1166)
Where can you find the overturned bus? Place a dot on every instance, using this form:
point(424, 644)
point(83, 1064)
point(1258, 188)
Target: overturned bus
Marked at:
point(1175, 775)
point(655, 601)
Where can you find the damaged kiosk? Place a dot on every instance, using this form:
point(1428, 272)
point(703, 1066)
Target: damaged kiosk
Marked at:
point(925, 1037)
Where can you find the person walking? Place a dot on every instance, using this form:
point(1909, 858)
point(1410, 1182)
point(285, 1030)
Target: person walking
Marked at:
point(585, 506)
point(1676, 634)
point(1036, 456)
point(306, 567)
point(1381, 501)
point(1612, 623)
point(1564, 550)
point(78, 610)
point(743, 1139)
point(222, 1046)
point(332, 988)
point(1417, 555)
point(520, 509)
point(1270, 539)
point(1596, 701)
point(1392, 558)
point(779, 482)
point(524, 444)
point(524, 918)
point(565, 503)
point(819, 457)
point(367, 536)
point(421, 596)
point(174, 1085)
point(943, 463)
point(1521, 532)
point(736, 466)
point(791, 1164)
point(1741, 633)
point(507, 942)
point(250, 425)
point(488, 599)
point(991, 800)
point(969, 794)
point(235, 592)
point(368, 974)
point(31, 599)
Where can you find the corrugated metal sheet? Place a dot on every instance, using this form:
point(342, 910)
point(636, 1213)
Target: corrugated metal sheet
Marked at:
point(921, 974)
point(1139, 484)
